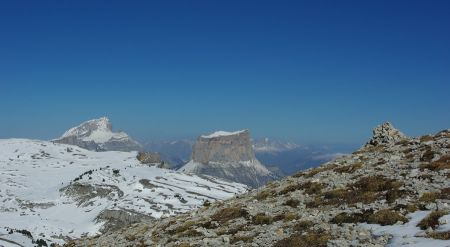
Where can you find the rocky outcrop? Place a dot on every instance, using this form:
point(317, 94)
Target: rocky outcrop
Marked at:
point(392, 187)
point(115, 219)
point(386, 134)
point(97, 135)
point(149, 158)
point(230, 156)
point(152, 159)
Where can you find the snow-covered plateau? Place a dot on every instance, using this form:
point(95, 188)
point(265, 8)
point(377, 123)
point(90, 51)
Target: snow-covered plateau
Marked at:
point(56, 192)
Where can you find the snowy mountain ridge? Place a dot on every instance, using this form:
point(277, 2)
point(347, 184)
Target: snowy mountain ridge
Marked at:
point(97, 134)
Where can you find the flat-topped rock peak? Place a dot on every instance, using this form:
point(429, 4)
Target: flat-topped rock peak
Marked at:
point(230, 156)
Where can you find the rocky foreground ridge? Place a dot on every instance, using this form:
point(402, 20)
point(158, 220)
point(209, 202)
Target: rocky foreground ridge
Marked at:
point(394, 190)
point(229, 156)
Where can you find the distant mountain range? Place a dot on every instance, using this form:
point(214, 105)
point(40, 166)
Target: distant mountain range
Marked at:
point(284, 158)
point(281, 157)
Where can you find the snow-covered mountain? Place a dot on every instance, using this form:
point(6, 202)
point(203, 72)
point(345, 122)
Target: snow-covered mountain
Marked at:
point(228, 155)
point(55, 192)
point(97, 135)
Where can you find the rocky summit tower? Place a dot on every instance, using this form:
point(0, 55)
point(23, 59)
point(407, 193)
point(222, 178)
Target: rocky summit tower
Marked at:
point(228, 155)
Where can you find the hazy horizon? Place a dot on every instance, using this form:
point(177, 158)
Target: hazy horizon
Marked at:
point(311, 72)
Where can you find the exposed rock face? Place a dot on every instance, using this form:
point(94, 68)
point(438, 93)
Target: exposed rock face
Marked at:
point(386, 134)
point(97, 135)
point(228, 155)
point(149, 158)
point(392, 187)
point(233, 147)
point(116, 219)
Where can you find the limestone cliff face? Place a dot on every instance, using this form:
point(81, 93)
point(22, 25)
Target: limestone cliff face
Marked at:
point(230, 156)
point(223, 148)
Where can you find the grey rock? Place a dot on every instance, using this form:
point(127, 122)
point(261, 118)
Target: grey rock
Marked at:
point(386, 134)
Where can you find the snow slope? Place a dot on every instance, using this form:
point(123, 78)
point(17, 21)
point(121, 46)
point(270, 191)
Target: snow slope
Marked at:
point(57, 191)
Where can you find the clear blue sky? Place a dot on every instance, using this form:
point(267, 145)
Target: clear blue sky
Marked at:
point(324, 71)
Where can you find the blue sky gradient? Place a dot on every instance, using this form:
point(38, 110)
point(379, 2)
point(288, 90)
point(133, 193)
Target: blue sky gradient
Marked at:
point(308, 71)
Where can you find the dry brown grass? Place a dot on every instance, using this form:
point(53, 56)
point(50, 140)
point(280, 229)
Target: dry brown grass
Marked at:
point(312, 187)
point(289, 216)
point(290, 188)
point(292, 203)
point(316, 239)
point(351, 218)
point(226, 214)
point(377, 184)
point(190, 233)
point(243, 238)
point(427, 156)
point(439, 235)
point(264, 194)
point(262, 219)
point(348, 168)
point(432, 220)
point(386, 217)
point(303, 225)
point(429, 197)
point(365, 190)
point(426, 138)
point(382, 217)
point(182, 245)
point(320, 169)
point(187, 225)
point(440, 164)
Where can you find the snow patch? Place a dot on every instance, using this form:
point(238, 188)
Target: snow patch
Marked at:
point(223, 133)
point(408, 234)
